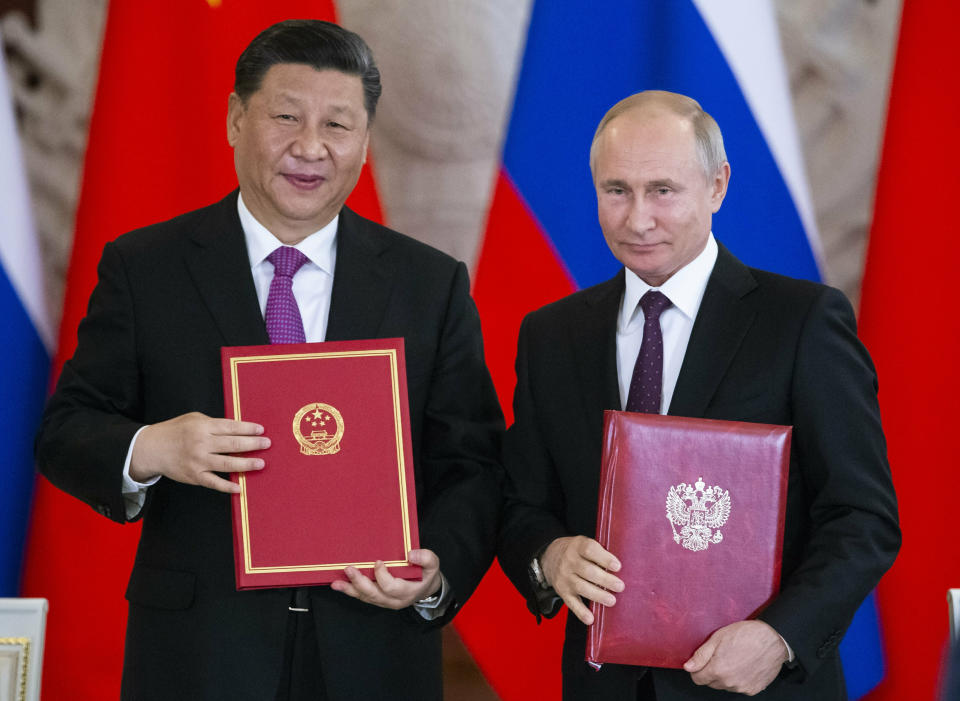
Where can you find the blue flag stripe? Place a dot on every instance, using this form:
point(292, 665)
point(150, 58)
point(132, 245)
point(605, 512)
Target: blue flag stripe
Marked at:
point(22, 391)
point(861, 650)
point(25, 359)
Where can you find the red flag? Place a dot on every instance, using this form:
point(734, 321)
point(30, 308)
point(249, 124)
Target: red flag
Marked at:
point(157, 148)
point(909, 323)
point(518, 271)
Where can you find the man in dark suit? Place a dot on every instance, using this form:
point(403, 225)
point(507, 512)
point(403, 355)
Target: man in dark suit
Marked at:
point(132, 428)
point(734, 343)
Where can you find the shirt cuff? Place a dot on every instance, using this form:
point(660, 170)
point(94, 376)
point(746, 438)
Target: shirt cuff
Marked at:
point(790, 656)
point(434, 607)
point(134, 493)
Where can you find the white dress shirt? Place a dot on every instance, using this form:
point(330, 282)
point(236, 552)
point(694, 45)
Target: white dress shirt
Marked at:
point(685, 290)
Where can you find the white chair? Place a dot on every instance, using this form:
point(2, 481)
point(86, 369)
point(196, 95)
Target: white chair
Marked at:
point(22, 626)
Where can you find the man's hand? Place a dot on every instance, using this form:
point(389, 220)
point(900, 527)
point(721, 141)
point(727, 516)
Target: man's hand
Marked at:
point(389, 591)
point(578, 566)
point(743, 657)
point(193, 447)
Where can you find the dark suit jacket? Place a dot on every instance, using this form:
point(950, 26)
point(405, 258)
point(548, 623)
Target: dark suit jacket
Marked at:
point(764, 348)
point(168, 297)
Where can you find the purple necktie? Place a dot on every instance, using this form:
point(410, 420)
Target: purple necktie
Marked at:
point(646, 386)
point(284, 324)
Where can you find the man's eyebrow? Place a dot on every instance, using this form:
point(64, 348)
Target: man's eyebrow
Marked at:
point(663, 182)
point(293, 98)
point(615, 182)
point(288, 97)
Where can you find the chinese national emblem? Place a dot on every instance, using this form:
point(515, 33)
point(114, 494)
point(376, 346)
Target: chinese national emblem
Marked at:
point(699, 512)
point(318, 429)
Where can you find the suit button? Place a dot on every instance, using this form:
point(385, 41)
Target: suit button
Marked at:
point(104, 510)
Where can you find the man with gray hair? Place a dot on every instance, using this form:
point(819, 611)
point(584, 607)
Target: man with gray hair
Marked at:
point(730, 342)
point(134, 427)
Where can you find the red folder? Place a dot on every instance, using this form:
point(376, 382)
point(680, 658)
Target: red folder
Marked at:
point(694, 511)
point(338, 486)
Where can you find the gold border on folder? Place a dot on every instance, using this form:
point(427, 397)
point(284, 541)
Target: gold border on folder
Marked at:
point(391, 353)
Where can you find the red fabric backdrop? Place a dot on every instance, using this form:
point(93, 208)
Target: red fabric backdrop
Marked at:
point(911, 328)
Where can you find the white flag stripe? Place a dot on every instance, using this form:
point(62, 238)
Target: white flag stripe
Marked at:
point(747, 34)
point(19, 253)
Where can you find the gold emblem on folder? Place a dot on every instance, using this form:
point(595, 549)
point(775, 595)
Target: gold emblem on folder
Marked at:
point(318, 429)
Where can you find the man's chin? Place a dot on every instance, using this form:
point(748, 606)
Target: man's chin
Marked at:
point(650, 264)
point(306, 213)
point(650, 274)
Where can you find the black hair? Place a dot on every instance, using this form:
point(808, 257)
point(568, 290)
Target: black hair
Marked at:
point(322, 45)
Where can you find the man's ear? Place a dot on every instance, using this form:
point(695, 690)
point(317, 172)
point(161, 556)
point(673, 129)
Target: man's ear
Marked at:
point(720, 182)
point(236, 111)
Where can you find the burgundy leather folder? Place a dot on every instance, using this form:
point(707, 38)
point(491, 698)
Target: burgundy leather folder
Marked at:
point(337, 488)
point(694, 511)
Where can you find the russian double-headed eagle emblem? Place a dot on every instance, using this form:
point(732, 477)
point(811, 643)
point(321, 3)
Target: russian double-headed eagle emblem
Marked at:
point(699, 512)
point(318, 429)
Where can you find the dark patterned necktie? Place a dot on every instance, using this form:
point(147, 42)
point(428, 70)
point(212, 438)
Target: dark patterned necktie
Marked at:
point(646, 386)
point(284, 324)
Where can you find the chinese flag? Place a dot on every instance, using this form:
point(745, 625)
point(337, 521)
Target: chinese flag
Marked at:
point(910, 324)
point(157, 148)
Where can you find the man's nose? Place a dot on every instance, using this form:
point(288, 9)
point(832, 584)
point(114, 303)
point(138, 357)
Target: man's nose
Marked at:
point(640, 217)
point(310, 144)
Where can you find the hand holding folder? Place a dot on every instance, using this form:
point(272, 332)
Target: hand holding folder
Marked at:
point(391, 592)
point(193, 448)
point(577, 566)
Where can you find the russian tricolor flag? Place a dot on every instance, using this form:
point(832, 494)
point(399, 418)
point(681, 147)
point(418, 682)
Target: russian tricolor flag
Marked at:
point(543, 239)
point(27, 341)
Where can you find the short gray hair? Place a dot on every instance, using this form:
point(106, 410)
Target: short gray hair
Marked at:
point(709, 140)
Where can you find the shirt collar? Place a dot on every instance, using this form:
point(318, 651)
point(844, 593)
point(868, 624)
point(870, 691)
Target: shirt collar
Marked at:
point(319, 247)
point(684, 288)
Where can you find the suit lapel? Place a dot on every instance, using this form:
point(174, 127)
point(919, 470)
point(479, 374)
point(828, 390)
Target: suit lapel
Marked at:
point(220, 267)
point(594, 340)
point(362, 281)
point(722, 322)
